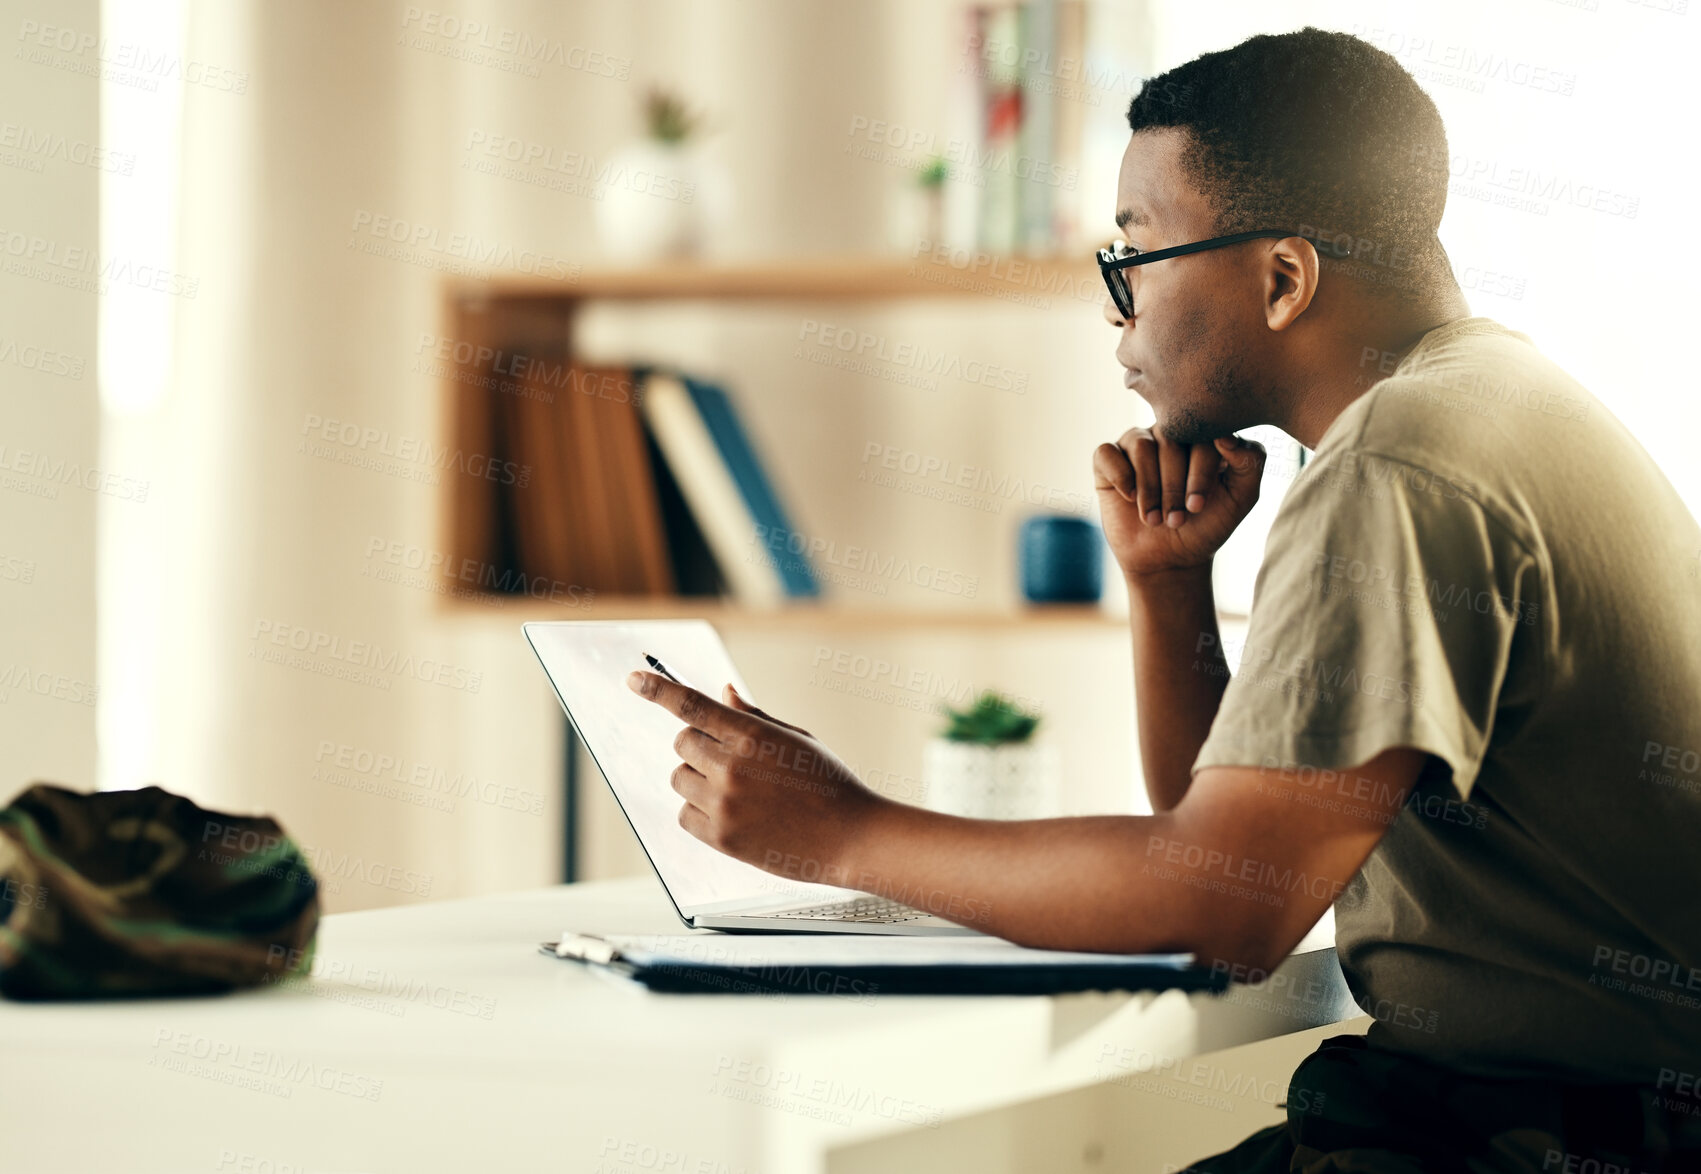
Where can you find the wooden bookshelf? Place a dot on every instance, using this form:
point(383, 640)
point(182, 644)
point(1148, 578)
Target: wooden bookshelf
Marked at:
point(518, 310)
point(506, 610)
point(837, 278)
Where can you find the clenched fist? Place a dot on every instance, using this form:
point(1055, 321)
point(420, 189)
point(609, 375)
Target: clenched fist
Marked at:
point(1168, 506)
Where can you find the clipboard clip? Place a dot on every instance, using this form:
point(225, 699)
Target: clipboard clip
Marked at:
point(583, 948)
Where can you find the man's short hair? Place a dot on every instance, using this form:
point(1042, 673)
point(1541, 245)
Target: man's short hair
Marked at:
point(1321, 133)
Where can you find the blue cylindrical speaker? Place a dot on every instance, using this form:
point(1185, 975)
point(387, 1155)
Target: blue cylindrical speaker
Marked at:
point(1062, 559)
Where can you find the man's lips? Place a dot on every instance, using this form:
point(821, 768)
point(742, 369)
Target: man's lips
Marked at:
point(1129, 375)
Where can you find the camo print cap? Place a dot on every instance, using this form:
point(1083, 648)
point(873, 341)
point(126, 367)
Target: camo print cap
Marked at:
point(145, 893)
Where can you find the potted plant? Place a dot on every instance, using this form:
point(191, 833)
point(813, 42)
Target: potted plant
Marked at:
point(985, 763)
point(931, 180)
point(662, 198)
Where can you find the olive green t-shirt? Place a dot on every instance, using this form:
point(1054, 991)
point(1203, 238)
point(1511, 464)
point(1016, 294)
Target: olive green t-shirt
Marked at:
point(1482, 563)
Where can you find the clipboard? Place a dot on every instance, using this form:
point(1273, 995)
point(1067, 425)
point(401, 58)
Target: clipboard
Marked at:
point(853, 966)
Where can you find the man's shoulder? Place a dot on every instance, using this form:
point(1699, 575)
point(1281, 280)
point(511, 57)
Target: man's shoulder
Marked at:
point(1475, 405)
point(1459, 376)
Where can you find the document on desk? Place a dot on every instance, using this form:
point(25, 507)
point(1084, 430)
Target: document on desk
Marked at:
point(833, 963)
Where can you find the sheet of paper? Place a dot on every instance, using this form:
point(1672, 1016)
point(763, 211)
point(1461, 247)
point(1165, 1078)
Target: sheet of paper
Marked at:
point(843, 950)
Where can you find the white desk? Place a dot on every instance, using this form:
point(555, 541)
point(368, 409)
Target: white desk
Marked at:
point(476, 1053)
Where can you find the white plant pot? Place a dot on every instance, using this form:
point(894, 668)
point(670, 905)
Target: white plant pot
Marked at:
point(1012, 781)
point(661, 200)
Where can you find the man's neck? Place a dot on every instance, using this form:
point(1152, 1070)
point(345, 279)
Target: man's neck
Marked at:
point(1360, 356)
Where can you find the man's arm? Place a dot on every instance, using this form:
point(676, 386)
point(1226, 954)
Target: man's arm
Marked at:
point(1166, 509)
point(1179, 675)
point(1236, 873)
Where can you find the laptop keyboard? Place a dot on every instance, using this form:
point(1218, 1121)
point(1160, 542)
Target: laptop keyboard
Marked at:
point(878, 910)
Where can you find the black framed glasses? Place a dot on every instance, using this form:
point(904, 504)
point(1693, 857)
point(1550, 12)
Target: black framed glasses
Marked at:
point(1121, 256)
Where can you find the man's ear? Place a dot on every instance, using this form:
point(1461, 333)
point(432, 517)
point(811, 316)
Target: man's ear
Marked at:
point(1290, 280)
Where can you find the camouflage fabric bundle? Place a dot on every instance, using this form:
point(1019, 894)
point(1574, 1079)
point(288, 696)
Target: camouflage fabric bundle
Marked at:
point(145, 893)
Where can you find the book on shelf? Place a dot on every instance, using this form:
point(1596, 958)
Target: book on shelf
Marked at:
point(1024, 102)
point(720, 476)
point(1035, 133)
point(616, 481)
point(580, 508)
point(1069, 114)
point(618, 464)
point(1001, 77)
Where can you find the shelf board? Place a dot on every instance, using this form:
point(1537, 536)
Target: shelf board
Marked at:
point(800, 616)
point(1037, 280)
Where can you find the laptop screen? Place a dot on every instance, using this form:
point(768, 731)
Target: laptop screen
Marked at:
point(631, 740)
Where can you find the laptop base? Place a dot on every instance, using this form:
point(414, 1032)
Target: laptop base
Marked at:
point(744, 923)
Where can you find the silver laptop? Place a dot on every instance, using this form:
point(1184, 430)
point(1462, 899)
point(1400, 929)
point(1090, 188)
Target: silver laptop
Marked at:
point(631, 741)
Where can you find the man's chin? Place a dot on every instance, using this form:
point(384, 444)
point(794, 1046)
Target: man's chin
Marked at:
point(1185, 427)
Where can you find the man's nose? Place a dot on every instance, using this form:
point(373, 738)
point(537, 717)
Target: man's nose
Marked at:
point(1112, 314)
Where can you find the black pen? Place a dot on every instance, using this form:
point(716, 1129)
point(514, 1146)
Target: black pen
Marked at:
point(668, 673)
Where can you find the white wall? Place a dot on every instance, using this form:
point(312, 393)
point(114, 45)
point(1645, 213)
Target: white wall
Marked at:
point(51, 474)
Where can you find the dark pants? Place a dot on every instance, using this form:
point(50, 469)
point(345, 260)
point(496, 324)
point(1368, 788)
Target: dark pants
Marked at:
point(1353, 1108)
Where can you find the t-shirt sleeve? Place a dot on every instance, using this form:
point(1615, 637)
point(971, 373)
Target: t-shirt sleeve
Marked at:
point(1384, 614)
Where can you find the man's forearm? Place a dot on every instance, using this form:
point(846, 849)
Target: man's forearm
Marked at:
point(1098, 882)
point(1179, 676)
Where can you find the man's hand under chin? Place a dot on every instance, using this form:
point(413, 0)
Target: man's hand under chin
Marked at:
point(1167, 507)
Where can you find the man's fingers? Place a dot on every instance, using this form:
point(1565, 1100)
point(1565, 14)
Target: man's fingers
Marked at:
point(1172, 470)
point(1149, 497)
point(698, 750)
point(1202, 468)
point(695, 822)
point(688, 705)
point(692, 786)
point(1111, 470)
point(1244, 461)
point(1165, 480)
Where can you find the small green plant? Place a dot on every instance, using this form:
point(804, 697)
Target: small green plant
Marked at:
point(667, 117)
point(933, 173)
point(993, 720)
